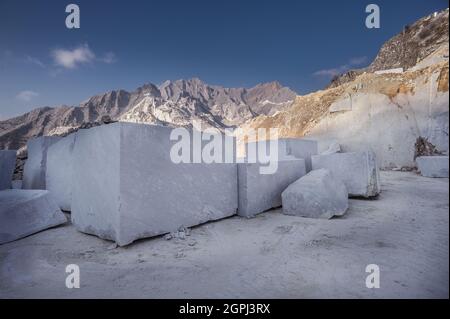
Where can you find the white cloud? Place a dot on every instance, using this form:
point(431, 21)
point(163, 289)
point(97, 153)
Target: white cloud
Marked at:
point(35, 61)
point(27, 95)
point(70, 59)
point(353, 62)
point(109, 58)
point(332, 72)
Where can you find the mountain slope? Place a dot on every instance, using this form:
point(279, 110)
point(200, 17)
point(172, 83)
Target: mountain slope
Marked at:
point(415, 43)
point(390, 113)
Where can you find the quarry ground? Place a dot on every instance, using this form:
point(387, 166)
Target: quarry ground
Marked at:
point(405, 232)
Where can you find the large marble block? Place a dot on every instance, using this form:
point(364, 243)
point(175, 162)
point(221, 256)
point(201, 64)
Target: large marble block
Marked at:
point(316, 195)
point(433, 166)
point(126, 187)
point(260, 192)
point(7, 166)
point(58, 177)
point(358, 171)
point(297, 147)
point(25, 212)
point(36, 164)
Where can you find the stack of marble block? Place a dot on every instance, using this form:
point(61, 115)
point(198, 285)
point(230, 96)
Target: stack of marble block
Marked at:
point(24, 212)
point(324, 192)
point(259, 192)
point(120, 182)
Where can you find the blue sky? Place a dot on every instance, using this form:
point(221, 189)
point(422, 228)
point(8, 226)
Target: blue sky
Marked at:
point(124, 44)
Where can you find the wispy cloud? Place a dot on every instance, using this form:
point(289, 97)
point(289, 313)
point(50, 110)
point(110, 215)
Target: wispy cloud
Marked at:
point(108, 58)
point(35, 61)
point(71, 59)
point(353, 62)
point(27, 95)
point(358, 61)
point(332, 72)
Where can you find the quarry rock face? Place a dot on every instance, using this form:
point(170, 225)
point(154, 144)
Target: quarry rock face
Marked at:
point(7, 165)
point(433, 166)
point(386, 112)
point(402, 118)
point(36, 164)
point(287, 147)
point(126, 187)
point(357, 170)
point(260, 192)
point(316, 195)
point(59, 171)
point(25, 212)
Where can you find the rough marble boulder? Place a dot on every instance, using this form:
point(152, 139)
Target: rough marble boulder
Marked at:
point(7, 165)
point(433, 166)
point(36, 164)
point(260, 192)
point(316, 195)
point(126, 187)
point(58, 177)
point(297, 147)
point(332, 149)
point(25, 212)
point(358, 171)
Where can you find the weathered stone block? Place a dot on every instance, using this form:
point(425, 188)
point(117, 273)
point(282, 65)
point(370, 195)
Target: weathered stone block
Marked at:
point(36, 165)
point(25, 212)
point(7, 165)
point(126, 187)
point(332, 149)
point(433, 166)
point(316, 195)
point(58, 177)
point(297, 147)
point(358, 171)
point(260, 192)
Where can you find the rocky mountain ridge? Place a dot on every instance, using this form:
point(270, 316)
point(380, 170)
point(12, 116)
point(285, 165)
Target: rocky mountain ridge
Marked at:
point(404, 50)
point(173, 103)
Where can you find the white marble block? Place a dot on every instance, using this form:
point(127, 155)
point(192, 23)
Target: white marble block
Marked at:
point(126, 187)
point(316, 195)
point(358, 171)
point(297, 147)
point(36, 164)
point(58, 177)
point(433, 166)
point(260, 192)
point(25, 212)
point(7, 166)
